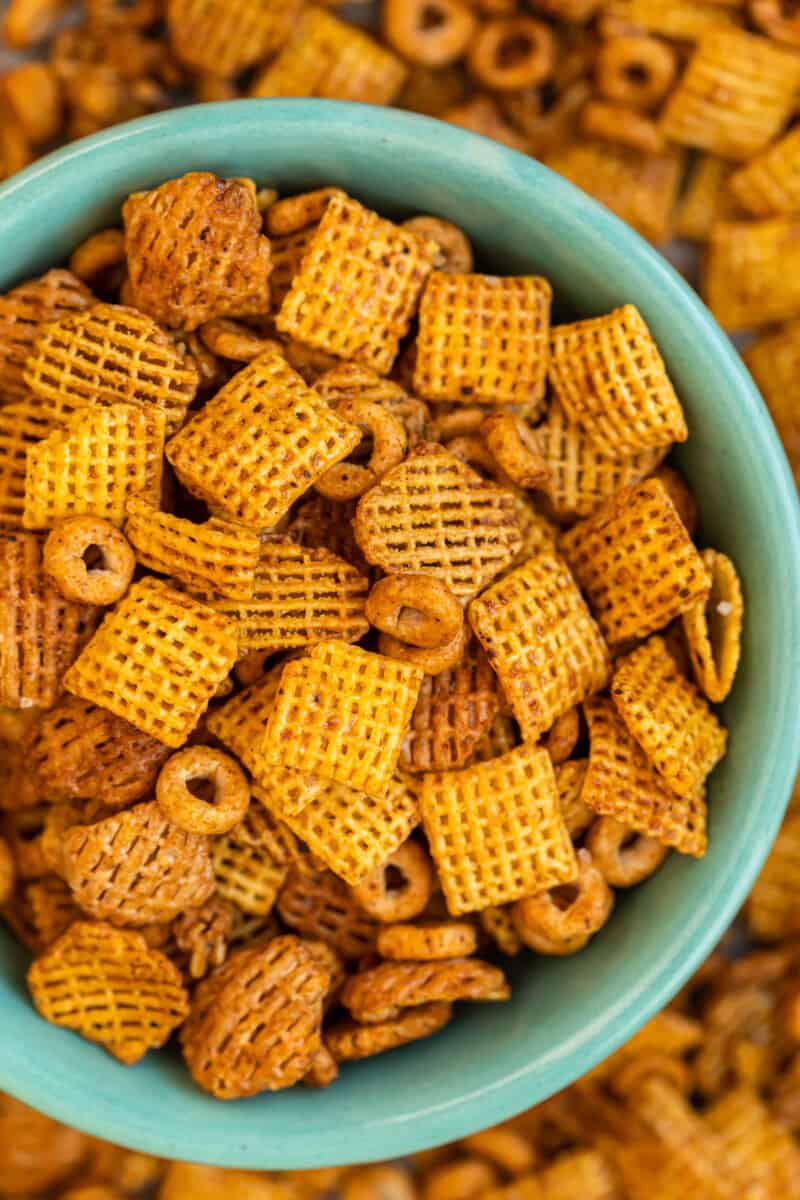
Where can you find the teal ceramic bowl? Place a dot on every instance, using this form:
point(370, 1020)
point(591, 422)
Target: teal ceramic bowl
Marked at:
point(566, 1015)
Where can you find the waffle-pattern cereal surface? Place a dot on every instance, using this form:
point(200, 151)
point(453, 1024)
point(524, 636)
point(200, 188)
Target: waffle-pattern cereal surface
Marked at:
point(214, 554)
point(260, 443)
point(223, 37)
point(349, 1041)
point(319, 905)
point(621, 783)
point(247, 875)
point(635, 562)
point(108, 985)
point(195, 251)
point(380, 993)
point(542, 641)
point(496, 831)
point(484, 340)
point(434, 515)
point(358, 286)
point(769, 185)
point(341, 712)
point(101, 457)
point(23, 313)
point(156, 661)
point(750, 272)
point(610, 380)
point(109, 354)
point(22, 425)
point(327, 58)
point(669, 718)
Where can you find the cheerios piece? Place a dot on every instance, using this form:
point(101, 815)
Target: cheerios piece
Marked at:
point(622, 857)
point(417, 609)
point(428, 940)
point(434, 37)
point(349, 480)
point(512, 53)
point(400, 888)
point(64, 558)
point(186, 808)
point(562, 920)
point(636, 70)
point(430, 661)
point(455, 249)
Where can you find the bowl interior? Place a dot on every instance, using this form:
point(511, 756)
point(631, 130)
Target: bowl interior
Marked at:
point(564, 1015)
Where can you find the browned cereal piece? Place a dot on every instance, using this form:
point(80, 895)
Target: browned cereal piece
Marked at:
point(687, 20)
point(428, 940)
point(767, 186)
point(621, 783)
point(563, 735)
point(542, 641)
point(136, 868)
point(454, 710)
point(348, 1041)
point(80, 751)
point(759, 1154)
point(735, 96)
point(203, 934)
point(431, 43)
point(497, 922)
point(100, 259)
point(327, 58)
point(215, 555)
point(492, 66)
point(260, 444)
point(323, 524)
point(41, 633)
point(111, 988)
point(22, 425)
point(773, 360)
point(287, 254)
point(561, 921)
point(570, 777)
point(109, 354)
point(482, 114)
point(495, 830)
point(223, 38)
point(434, 515)
point(430, 661)
point(386, 1180)
point(464, 320)
point(622, 125)
point(636, 70)
point(91, 466)
point(539, 532)
point(7, 872)
point(226, 338)
point(255, 1024)
point(52, 908)
point(324, 1070)
point(382, 431)
point(299, 597)
point(352, 381)
point(469, 1178)
point(668, 717)
point(417, 609)
point(292, 213)
point(195, 250)
point(247, 875)
point(23, 313)
point(772, 909)
point(64, 560)
point(714, 630)
point(623, 858)
point(705, 199)
point(400, 888)
point(750, 272)
point(264, 831)
point(320, 905)
point(455, 248)
point(187, 808)
point(342, 712)
point(25, 1169)
point(379, 994)
point(508, 1149)
point(635, 562)
point(610, 380)
point(514, 445)
point(351, 832)
point(378, 269)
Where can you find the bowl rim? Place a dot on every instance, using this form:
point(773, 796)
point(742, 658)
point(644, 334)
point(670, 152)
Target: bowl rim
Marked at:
point(500, 1097)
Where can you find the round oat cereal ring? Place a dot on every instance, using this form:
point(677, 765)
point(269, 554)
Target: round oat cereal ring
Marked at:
point(417, 609)
point(401, 888)
point(348, 480)
point(7, 872)
point(562, 920)
point(293, 213)
point(186, 808)
point(456, 251)
point(512, 53)
point(513, 444)
point(428, 940)
point(777, 19)
point(636, 70)
point(432, 660)
point(89, 560)
point(429, 33)
point(623, 857)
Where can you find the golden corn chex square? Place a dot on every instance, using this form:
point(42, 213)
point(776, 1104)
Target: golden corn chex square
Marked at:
point(109, 986)
point(705, 199)
point(668, 717)
point(24, 311)
point(214, 555)
point(260, 443)
point(224, 37)
point(543, 642)
point(101, 457)
point(21, 425)
point(610, 380)
point(751, 272)
point(433, 514)
point(342, 712)
point(640, 188)
point(757, 1148)
point(771, 907)
point(352, 832)
point(328, 58)
point(635, 562)
point(109, 355)
point(735, 96)
point(358, 285)
point(769, 185)
point(621, 783)
point(264, 831)
point(156, 661)
point(495, 830)
point(195, 250)
point(41, 633)
point(248, 876)
point(582, 474)
point(300, 597)
point(240, 724)
point(483, 339)
point(774, 362)
point(288, 253)
point(539, 532)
